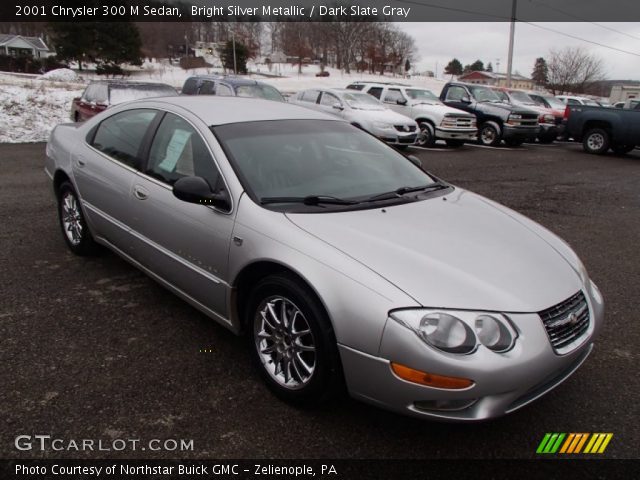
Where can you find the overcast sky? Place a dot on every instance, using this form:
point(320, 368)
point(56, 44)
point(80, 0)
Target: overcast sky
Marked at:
point(440, 42)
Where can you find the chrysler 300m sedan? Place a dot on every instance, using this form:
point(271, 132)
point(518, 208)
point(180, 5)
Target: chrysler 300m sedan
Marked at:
point(342, 260)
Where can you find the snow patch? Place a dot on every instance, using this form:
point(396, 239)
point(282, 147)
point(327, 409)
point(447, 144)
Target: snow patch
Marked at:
point(60, 75)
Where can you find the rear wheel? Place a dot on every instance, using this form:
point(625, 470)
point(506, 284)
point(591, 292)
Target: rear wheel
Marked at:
point(72, 222)
point(622, 149)
point(292, 342)
point(490, 134)
point(427, 136)
point(596, 141)
point(455, 143)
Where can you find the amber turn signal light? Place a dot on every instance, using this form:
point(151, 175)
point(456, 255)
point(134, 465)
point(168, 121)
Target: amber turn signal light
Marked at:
point(429, 379)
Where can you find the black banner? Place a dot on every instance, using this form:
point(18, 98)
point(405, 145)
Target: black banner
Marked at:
point(320, 10)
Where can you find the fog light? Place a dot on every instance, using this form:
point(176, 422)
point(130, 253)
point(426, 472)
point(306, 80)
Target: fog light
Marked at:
point(430, 379)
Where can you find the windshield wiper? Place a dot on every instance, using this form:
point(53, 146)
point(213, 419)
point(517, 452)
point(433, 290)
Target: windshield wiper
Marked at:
point(309, 200)
point(404, 190)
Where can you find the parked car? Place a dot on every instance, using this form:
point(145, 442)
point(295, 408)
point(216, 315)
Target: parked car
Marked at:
point(600, 129)
point(619, 105)
point(227, 86)
point(497, 120)
point(324, 73)
point(550, 121)
point(100, 95)
point(340, 259)
point(575, 100)
point(548, 101)
point(363, 111)
point(630, 104)
point(436, 120)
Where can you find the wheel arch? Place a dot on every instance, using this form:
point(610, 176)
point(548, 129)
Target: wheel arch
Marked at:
point(59, 177)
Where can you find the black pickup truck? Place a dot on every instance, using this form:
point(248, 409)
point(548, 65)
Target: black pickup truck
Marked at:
point(497, 120)
point(600, 129)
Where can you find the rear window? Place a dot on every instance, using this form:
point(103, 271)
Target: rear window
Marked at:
point(126, 93)
point(355, 86)
point(259, 91)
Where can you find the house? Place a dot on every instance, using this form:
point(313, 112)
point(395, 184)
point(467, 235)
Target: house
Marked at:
point(497, 79)
point(18, 46)
point(622, 93)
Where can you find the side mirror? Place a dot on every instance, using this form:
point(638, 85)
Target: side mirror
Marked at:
point(465, 99)
point(337, 106)
point(401, 101)
point(415, 160)
point(197, 190)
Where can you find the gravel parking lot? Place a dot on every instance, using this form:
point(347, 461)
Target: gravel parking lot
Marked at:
point(94, 349)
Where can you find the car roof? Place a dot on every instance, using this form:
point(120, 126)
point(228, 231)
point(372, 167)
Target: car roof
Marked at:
point(216, 110)
point(228, 79)
point(127, 83)
point(386, 84)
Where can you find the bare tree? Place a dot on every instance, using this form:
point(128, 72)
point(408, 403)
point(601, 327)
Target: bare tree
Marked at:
point(573, 69)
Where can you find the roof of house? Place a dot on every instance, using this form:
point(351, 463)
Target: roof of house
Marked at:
point(494, 75)
point(37, 42)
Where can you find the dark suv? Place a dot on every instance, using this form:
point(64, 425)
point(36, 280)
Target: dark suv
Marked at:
point(230, 87)
point(496, 120)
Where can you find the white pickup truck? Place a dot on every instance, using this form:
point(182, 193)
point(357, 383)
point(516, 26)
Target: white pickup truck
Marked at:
point(436, 120)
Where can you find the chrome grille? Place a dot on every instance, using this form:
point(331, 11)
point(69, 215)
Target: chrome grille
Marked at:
point(465, 122)
point(566, 322)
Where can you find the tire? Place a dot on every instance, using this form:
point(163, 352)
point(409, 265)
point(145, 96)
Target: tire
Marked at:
point(596, 141)
point(512, 142)
point(76, 117)
point(74, 228)
point(455, 143)
point(489, 134)
point(427, 135)
point(299, 369)
point(622, 149)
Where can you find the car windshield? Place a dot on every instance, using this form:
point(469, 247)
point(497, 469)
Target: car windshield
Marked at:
point(362, 100)
point(323, 158)
point(125, 93)
point(259, 91)
point(484, 94)
point(521, 97)
point(502, 96)
point(554, 102)
point(421, 95)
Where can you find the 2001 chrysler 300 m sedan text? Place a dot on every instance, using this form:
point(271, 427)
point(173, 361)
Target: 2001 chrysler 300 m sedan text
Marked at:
point(340, 258)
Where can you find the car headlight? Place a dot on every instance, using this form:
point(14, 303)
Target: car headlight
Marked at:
point(515, 116)
point(383, 126)
point(459, 332)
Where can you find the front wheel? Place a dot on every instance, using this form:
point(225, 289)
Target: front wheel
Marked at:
point(427, 135)
point(596, 141)
point(72, 222)
point(489, 134)
point(455, 143)
point(292, 342)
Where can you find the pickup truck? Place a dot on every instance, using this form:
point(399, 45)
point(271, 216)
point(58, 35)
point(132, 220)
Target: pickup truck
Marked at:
point(497, 120)
point(436, 120)
point(600, 129)
point(100, 95)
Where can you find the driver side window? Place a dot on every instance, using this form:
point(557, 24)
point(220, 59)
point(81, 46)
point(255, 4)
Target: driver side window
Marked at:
point(393, 95)
point(179, 151)
point(456, 94)
point(329, 100)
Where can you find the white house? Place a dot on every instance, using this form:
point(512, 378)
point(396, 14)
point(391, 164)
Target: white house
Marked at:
point(18, 45)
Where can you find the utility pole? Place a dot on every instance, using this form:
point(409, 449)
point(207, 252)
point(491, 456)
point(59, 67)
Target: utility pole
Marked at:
point(512, 31)
point(233, 40)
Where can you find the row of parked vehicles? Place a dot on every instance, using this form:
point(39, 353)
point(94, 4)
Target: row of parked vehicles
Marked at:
point(404, 115)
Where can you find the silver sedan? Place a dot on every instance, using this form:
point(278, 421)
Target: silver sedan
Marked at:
point(341, 259)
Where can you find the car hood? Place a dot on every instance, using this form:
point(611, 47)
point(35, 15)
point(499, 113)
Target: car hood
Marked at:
point(502, 108)
point(440, 107)
point(455, 251)
point(387, 116)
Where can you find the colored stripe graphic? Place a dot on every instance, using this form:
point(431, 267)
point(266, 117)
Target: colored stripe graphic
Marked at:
point(573, 443)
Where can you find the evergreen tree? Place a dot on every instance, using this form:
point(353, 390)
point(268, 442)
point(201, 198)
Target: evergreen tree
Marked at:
point(477, 66)
point(540, 74)
point(407, 65)
point(118, 42)
point(73, 41)
point(489, 67)
point(242, 53)
point(454, 67)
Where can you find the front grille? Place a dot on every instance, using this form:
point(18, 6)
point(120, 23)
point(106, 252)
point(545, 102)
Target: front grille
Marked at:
point(566, 322)
point(405, 128)
point(465, 122)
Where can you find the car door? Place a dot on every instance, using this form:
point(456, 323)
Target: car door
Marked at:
point(104, 167)
point(391, 97)
point(331, 104)
point(184, 243)
point(454, 98)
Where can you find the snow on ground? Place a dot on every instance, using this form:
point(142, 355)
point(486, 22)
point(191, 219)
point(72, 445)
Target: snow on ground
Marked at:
point(31, 105)
point(30, 108)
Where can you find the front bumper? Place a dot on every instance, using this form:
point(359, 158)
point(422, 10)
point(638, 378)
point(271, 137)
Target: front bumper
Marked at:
point(397, 138)
point(503, 382)
point(520, 133)
point(548, 131)
point(457, 134)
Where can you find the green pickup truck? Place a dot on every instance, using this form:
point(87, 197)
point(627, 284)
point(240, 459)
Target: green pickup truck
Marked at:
point(600, 129)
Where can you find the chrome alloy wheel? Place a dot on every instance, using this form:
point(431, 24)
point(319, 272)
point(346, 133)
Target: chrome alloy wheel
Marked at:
point(284, 342)
point(488, 135)
point(595, 141)
point(71, 218)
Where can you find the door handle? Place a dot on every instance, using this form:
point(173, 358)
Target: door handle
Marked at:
point(140, 193)
point(80, 162)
